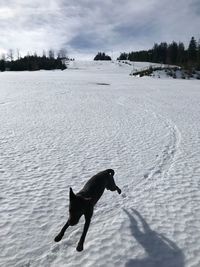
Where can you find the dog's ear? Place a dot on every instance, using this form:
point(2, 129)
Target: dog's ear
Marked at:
point(111, 172)
point(72, 196)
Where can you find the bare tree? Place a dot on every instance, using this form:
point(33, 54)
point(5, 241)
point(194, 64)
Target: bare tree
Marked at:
point(62, 53)
point(3, 56)
point(51, 53)
point(10, 55)
point(18, 54)
point(44, 54)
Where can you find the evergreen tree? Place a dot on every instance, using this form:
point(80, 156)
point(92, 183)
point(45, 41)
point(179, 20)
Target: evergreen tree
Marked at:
point(168, 54)
point(192, 50)
point(198, 55)
point(2, 65)
point(102, 56)
point(123, 56)
point(198, 49)
point(172, 53)
point(162, 52)
point(181, 57)
point(32, 63)
point(155, 55)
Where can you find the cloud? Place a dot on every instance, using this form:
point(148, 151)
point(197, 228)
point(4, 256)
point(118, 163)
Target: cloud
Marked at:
point(88, 26)
point(195, 7)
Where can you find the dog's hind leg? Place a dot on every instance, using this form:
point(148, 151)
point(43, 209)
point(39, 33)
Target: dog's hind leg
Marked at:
point(61, 234)
point(85, 229)
point(82, 239)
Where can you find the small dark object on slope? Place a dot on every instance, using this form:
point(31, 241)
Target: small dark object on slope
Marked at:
point(103, 83)
point(84, 201)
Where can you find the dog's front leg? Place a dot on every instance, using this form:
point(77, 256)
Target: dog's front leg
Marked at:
point(86, 226)
point(118, 190)
point(61, 234)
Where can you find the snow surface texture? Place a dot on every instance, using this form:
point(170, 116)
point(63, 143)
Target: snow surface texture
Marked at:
point(60, 128)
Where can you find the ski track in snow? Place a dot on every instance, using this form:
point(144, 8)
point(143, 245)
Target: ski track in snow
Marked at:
point(60, 128)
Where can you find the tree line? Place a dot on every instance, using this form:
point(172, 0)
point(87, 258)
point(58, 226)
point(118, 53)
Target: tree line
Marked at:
point(102, 56)
point(48, 61)
point(173, 53)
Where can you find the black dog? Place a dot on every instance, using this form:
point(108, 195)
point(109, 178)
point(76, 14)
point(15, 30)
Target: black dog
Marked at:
point(83, 202)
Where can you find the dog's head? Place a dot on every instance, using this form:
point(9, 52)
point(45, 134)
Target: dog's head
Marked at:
point(110, 185)
point(77, 207)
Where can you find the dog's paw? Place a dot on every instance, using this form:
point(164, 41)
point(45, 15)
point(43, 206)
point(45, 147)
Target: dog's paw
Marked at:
point(58, 238)
point(79, 248)
point(119, 190)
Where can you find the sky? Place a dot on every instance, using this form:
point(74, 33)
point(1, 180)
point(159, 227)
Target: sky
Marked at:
point(85, 27)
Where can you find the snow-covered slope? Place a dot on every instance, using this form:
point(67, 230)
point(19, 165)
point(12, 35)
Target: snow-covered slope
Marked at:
point(59, 128)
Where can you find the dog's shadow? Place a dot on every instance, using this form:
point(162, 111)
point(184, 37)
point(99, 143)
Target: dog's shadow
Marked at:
point(159, 249)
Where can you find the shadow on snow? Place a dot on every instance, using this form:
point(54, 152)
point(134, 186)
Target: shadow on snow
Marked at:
point(159, 249)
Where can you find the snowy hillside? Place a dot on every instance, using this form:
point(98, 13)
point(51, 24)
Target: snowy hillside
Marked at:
point(59, 128)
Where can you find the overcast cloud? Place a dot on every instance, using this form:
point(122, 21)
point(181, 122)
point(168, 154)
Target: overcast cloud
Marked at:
point(85, 27)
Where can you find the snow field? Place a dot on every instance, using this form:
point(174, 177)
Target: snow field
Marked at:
point(60, 128)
